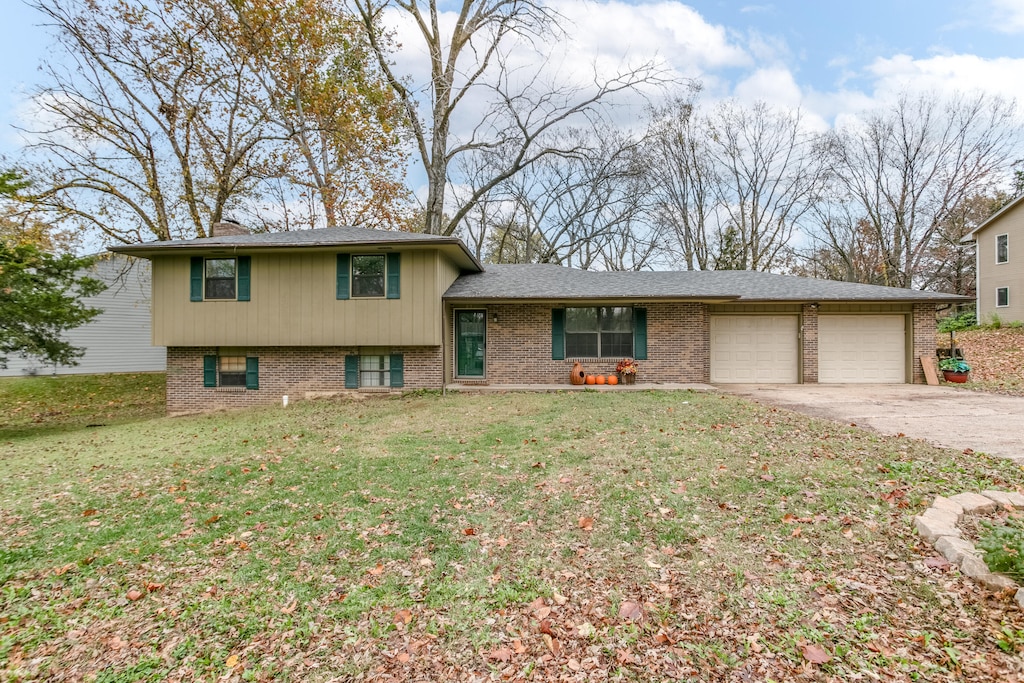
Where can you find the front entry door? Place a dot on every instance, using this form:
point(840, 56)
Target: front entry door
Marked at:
point(470, 343)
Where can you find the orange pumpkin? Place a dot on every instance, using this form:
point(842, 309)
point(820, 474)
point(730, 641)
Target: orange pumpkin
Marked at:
point(613, 380)
point(600, 379)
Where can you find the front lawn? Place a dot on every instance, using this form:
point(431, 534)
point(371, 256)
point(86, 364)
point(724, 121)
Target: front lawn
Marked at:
point(574, 536)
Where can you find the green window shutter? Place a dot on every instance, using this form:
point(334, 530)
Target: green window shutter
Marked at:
point(394, 276)
point(351, 372)
point(252, 373)
point(196, 279)
point(209, 371)
point(344, 268)
point(244, 277)
point(557, 334)
point(397, 370)
point(640, 333)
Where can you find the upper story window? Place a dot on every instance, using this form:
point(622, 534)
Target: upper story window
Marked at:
point(220, 278)
point(600, 332)
point(368, 275)
point(1002, 248)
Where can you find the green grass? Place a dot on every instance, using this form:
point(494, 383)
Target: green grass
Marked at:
point(36, 405)
point(419, 536)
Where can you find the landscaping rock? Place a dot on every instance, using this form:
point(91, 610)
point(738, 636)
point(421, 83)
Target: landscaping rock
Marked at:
point(1005, 498)
point(955, 549)
point(933, 530)
point(974, 567)
point(948, 505)
point(996, 582)
point(942, 516)
point(1019, 597)
point(974, 504)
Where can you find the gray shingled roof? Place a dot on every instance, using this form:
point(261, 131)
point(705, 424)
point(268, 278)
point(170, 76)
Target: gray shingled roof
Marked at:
point(546, 281)
point(322, 237)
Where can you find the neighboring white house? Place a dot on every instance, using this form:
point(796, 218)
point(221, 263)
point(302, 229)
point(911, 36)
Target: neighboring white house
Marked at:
point(117, 340)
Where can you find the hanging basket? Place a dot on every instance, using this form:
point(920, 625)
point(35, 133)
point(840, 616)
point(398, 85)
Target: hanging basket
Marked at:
point(577, 375)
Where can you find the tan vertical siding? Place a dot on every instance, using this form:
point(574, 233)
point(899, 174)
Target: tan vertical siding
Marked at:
point(992, 275)
point(293, 304)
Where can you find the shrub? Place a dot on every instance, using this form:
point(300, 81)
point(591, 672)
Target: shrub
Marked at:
point(958, 323)
point(1003, 548)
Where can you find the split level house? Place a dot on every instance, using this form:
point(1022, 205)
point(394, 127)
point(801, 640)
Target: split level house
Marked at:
point(249, 318)
point(999, 255)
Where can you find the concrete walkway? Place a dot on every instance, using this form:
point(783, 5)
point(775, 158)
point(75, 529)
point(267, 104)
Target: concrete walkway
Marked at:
point(644, 386)
point(953, 418)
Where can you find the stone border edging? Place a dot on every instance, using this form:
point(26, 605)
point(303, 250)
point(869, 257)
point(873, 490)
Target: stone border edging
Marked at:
point(938, 526)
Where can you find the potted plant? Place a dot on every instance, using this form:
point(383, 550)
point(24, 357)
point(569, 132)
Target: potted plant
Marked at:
point(627, 369)
point(954, 370)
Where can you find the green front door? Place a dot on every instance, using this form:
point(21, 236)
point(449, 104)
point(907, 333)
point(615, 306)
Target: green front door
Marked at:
point(470, 343)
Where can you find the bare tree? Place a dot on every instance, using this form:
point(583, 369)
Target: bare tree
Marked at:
point(733, 184)
point(147, 134)
point(911, 167)
point(470, 62)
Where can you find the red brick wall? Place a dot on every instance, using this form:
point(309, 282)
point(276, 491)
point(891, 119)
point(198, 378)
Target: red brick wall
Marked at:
point(519, 346)
point(809, 350)
point(290, 371)
point(924, 338)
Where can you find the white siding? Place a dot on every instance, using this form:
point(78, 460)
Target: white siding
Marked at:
point(117, 340)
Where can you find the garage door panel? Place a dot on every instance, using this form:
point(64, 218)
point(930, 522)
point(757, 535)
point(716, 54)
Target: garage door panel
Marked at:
point(862, 349)
point(754, 349)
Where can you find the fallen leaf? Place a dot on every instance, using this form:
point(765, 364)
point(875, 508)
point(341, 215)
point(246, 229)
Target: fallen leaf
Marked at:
point(134, 595)
point(403, 657)
point(469, 531)
point(232, 661)
point(290, 607)
point(403, 616)
point(89, 513)
point(502, 654)
point(631, 611)
point(936, 562)
point(815, 654)
point(545, 626)
point(586, 523)
point(378, 570)
point(553, 645)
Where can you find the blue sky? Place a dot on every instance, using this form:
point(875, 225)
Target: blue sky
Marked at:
point(830, 58)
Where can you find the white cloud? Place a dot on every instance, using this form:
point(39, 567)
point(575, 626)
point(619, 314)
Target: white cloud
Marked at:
point(1008, 16)
point(949, 73)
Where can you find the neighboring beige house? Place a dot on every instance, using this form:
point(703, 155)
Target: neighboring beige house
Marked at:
point(249, 318)
point(1000, 263)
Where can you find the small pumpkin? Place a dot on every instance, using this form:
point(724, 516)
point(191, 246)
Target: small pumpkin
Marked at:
point(613, 380)
point(600, 379)
point(591, 379)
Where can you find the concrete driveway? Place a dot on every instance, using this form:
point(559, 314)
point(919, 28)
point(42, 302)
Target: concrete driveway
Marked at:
point(953, 418)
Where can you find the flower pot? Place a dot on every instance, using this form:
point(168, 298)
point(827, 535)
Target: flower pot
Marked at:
point(627, 378)
point(955, 377)
point(577, 375)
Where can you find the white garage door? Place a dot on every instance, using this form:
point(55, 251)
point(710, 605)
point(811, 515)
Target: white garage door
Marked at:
point(757, 349)
point(862, 348)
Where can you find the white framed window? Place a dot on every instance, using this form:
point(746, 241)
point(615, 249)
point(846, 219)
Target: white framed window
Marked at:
point(1002, 297)
point(374, 371)
point(1002, 248)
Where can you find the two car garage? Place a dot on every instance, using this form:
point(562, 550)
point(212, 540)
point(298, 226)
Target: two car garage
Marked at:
point(766, 348)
